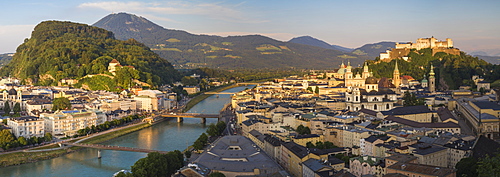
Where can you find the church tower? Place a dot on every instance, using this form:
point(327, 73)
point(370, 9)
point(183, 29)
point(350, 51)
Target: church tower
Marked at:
point(348, 74)
point(396, 79)
point(432, 80)
point(365, 73)
point(425, 82)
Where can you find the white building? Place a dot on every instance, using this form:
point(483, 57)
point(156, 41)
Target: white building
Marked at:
point(68, 122)
point(150, 100)
point(26, 126)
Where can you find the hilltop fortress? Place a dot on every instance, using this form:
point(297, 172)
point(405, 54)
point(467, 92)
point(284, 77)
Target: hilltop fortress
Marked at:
point(402, 50)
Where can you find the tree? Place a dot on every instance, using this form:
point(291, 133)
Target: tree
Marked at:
point(488, 166)
point(482, 90)
point(186, 80)
point(6, 107)
point(467, 167)
point(221, 126)
point(17, 108)
point(310, 145)
point(47, 137)
point(216, 174)
point(187, 154)
point(302, 130)
point(329, 145)
point(309, 89)
point(316, 90)
point(61, 103)
point(213, 130)
point(155, 164)
point(320, 145)
point(22, 141)
point(6, 139)
point(410, 99)
point(200, 142)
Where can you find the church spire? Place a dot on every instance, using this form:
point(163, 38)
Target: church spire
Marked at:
point(431, 73)
point(396, 79)
point(432, 80)
point(366, 72)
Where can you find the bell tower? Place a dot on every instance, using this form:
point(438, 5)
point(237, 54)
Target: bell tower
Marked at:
point(396, 79)
point(432, 80)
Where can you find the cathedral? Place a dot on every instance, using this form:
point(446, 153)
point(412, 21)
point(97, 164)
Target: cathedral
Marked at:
point(363, 91)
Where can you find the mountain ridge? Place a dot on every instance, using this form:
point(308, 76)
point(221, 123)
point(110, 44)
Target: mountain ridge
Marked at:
point(309, 40)
point(186, 50)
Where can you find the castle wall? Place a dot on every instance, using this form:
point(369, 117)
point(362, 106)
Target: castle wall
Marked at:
point(453, 51)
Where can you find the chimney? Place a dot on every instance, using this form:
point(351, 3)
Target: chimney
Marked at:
point(403, 167)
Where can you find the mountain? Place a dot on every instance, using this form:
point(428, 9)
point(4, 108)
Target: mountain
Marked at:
point(58, 50)
point(490, 59)
point(186, 50)
point(373, 50)
point(308, 40)
point(5, 58)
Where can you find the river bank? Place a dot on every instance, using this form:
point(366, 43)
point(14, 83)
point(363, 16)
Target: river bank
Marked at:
point(40, 153)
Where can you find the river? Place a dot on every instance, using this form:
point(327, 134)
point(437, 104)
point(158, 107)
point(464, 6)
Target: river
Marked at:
point(165, 136)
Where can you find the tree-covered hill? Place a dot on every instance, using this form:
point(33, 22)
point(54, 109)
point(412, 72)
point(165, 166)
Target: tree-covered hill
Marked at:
point(185, 50)
point(58, 50)
point(373, 50)
point(452, 71)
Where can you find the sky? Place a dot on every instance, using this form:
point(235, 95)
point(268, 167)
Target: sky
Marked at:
point(472, 25)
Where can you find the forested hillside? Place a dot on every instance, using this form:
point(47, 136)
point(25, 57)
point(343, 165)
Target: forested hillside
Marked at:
point(185, 50)
point(373, 50)
point(58, 50)
point(452, 71)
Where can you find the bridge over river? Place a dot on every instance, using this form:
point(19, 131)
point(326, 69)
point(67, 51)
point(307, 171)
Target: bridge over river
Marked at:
point(203, 117)
point(110, 147)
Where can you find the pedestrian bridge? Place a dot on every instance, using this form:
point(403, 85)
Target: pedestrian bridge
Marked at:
point(110, 147)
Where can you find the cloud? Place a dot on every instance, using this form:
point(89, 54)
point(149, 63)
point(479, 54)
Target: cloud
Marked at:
point(219, 11)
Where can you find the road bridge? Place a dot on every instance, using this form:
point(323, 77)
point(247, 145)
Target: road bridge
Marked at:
point(246, 83)
point(203, 117)
point(219, 93)
point(110, 147)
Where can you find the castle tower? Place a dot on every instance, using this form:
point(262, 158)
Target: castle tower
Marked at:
point(396, 79)
point(432, 80)
point(366, 73)
point(112, 66)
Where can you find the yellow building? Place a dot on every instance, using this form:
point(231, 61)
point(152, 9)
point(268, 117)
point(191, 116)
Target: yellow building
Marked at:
point(294, 155)
point(483, 116)
point(430, 155)
point(304, 139)
point(413, 113)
